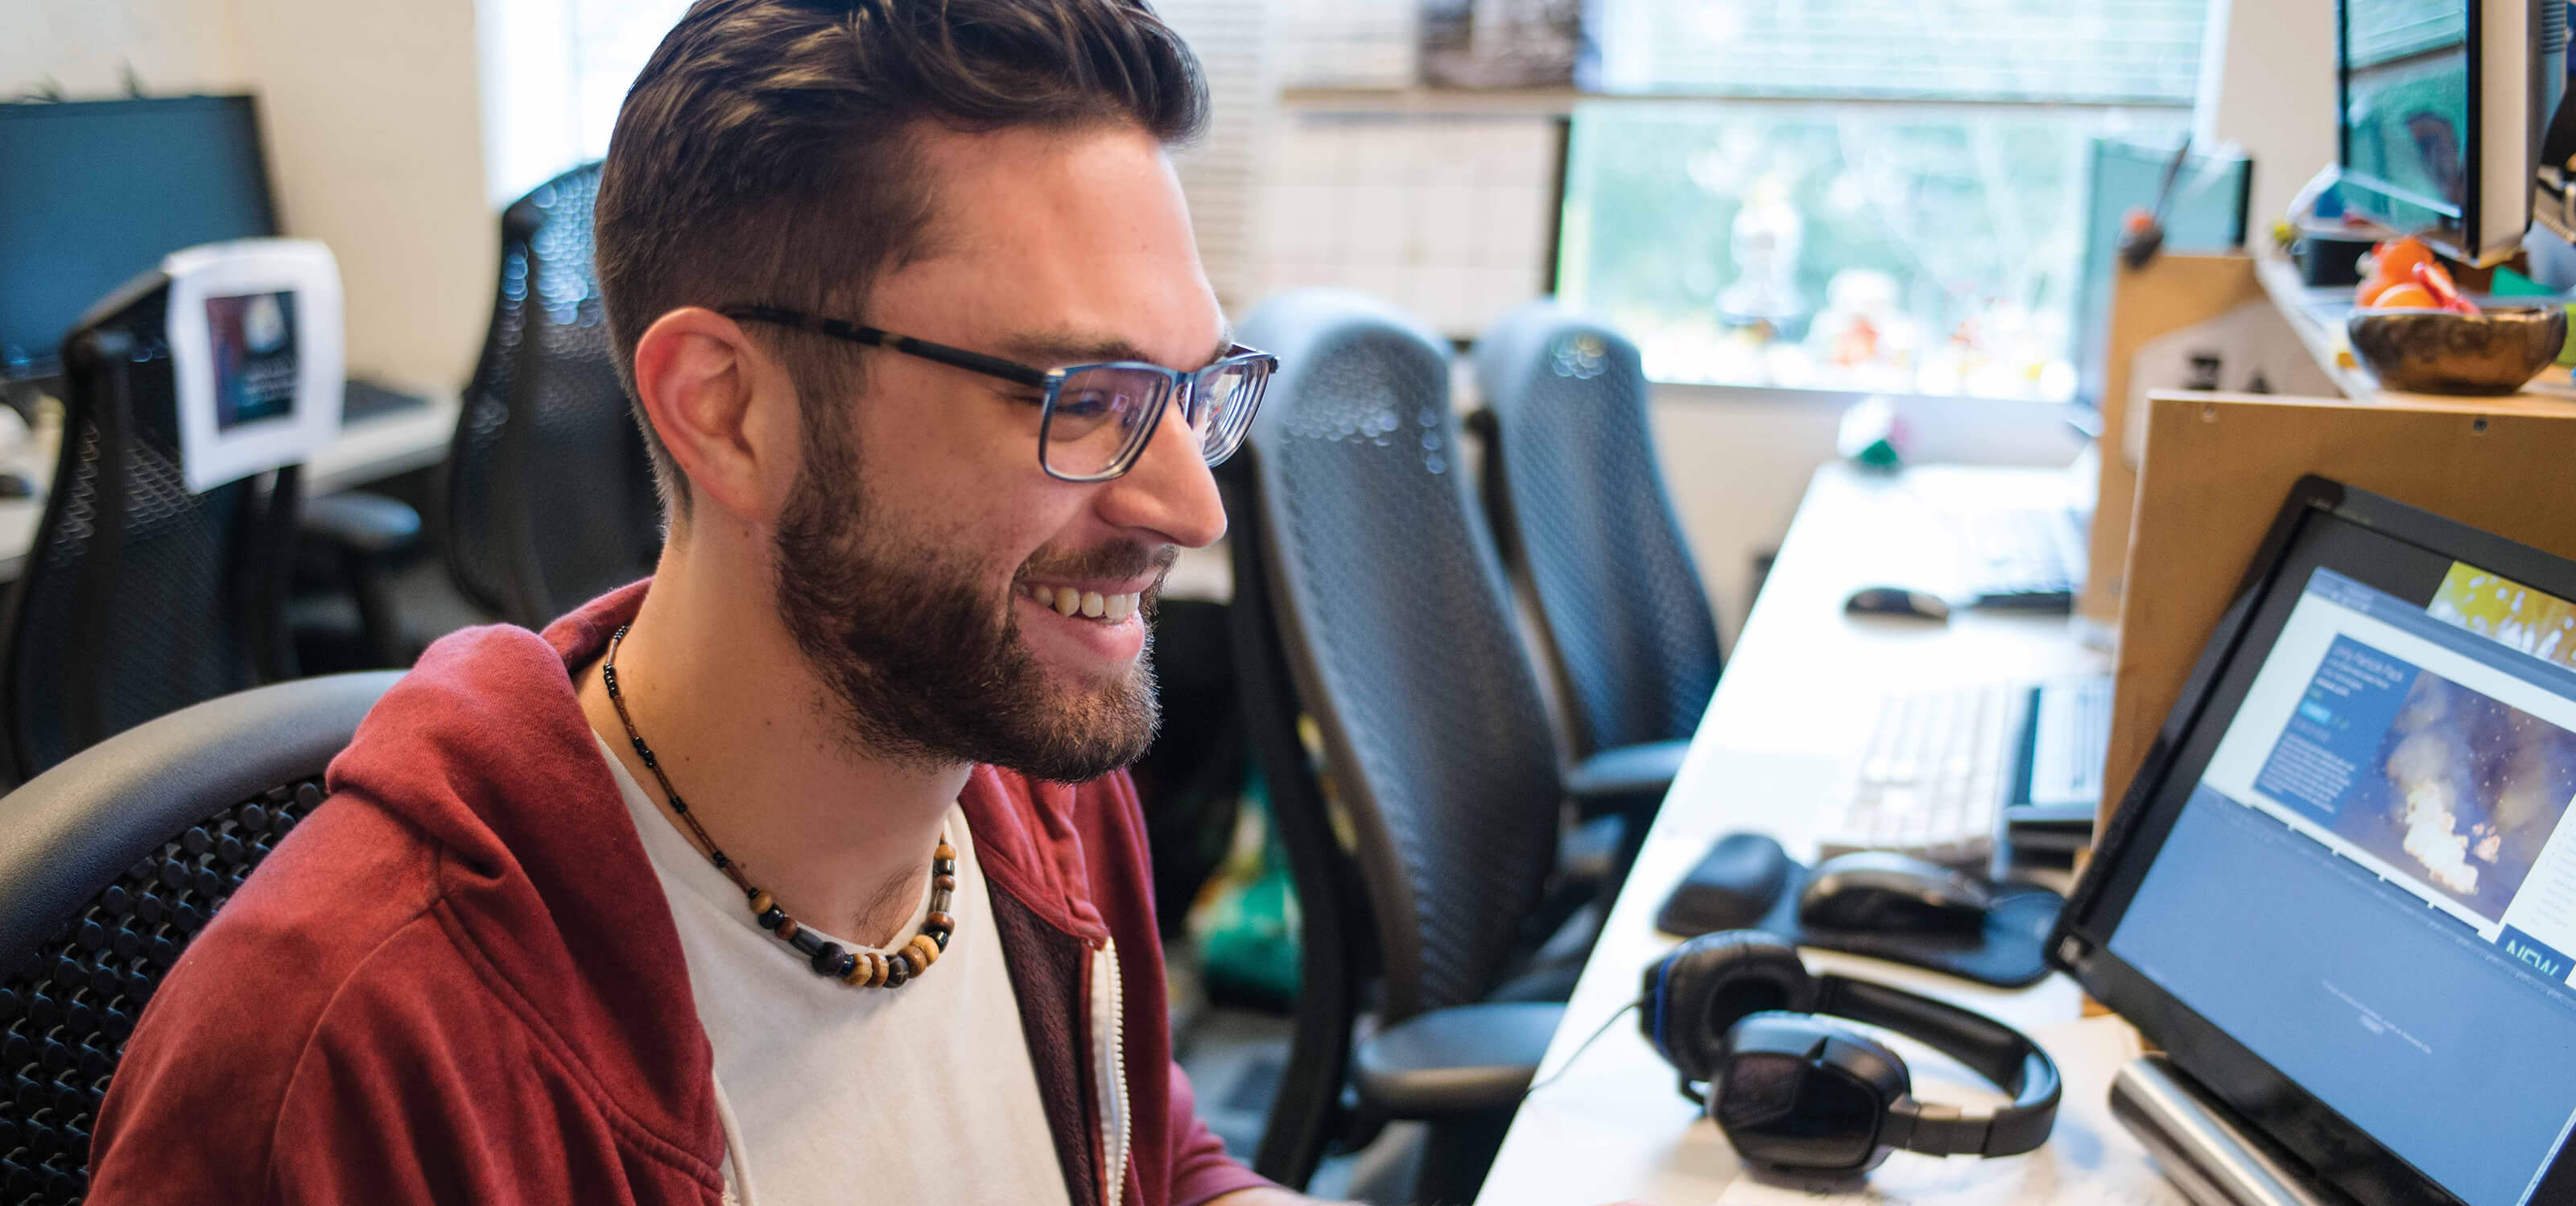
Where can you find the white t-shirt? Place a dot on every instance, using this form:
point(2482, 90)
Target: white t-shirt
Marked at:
point(837, 1094)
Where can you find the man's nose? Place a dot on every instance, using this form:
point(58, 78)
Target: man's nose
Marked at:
point(1170, 491)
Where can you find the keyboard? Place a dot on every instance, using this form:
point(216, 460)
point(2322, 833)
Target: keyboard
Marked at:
point(2059, 788)
point(2026, 558)
point(1931, 781)
point(365, 399)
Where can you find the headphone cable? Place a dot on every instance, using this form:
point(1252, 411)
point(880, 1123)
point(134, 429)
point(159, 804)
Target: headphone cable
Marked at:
point(1603, 1029)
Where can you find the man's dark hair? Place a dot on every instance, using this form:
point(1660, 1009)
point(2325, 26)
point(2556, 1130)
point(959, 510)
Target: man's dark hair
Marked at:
point(764, 155)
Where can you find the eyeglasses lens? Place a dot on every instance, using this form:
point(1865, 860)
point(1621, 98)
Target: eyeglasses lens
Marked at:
point(1102, 415)
point(1097, 415)
point(1226, 400)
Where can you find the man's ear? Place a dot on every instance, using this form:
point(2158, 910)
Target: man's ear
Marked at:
point(724, 409)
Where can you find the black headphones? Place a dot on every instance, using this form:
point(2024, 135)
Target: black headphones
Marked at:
point(1794, 1090)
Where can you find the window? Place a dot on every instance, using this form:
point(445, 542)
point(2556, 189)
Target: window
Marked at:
point(1880, 198)
point(554, 73)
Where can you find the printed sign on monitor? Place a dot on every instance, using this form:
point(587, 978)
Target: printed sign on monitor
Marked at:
point(256, 354)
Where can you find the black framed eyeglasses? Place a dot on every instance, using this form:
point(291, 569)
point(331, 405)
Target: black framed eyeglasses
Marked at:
point(1095, 419)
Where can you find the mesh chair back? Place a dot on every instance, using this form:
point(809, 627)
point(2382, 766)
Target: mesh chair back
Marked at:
point(109, 865)
point(138, 597)
point(1391, 611)
point(550, 494)
point(1581, 502)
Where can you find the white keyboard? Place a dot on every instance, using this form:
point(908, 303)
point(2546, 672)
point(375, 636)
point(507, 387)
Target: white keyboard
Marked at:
point(1932, 778)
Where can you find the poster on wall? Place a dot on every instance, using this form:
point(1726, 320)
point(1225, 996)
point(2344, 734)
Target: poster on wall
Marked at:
point(256, 353)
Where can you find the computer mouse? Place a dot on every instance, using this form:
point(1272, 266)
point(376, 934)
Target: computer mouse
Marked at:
point(1876, 890)
point(1897, 601)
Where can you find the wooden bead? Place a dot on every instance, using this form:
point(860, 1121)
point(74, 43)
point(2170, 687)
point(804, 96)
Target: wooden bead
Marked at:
point(827, 959)
point(772, 917)
point(787, 927)
point(857, 975)
point(938, 921)
point(876, 969)
point(760, 902)
point(898, 970)
point(945, 852)
point(922, 950)
point(945, 883)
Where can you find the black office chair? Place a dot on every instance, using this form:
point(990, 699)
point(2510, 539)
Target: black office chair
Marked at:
point(1579, 507)
point(1367, 596)
point(109, 865)
point(138, 597)
point(550, 494)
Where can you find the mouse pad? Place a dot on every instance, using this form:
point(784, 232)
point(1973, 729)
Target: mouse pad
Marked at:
point(1748, 882)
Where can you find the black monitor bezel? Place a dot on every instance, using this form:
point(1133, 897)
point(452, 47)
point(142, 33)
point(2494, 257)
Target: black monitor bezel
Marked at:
point(49, 365)
point(2334, 1149)
point(2464, 233)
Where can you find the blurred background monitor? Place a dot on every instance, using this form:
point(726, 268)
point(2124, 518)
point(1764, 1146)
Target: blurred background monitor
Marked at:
point(2205, 214)
point(94, 192)
point(2442, 106)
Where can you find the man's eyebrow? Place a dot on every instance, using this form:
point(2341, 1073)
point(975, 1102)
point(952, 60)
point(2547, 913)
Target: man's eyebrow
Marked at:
point(1052, 349)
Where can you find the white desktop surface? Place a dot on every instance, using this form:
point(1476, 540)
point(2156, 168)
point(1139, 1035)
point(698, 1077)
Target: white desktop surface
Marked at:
point(1796, 702)
point(367, 450)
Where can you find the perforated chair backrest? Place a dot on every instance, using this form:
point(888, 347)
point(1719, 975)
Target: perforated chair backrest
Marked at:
point(1391, 611)
point(1583, 502)
point(550, 494)
point(109, 865)
point(138, 597)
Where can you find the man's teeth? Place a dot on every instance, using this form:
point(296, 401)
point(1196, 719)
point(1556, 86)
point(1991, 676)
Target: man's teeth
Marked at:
point(1090, 604)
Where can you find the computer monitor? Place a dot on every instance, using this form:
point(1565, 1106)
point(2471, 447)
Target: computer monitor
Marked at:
point(2341, 891)
point(94, 192)
point(2203, 212)
point(2443, 103)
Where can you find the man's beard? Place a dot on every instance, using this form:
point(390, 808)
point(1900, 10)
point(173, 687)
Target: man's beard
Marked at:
point(923, 663)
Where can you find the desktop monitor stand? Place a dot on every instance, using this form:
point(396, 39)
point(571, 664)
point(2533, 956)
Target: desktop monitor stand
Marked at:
point(2202, 1145)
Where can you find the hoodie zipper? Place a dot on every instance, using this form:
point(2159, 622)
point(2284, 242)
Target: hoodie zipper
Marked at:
point(1109, 1050)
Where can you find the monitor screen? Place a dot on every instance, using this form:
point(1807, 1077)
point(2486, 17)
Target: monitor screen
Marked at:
point(2369, 885)
point(94, 192)
point(2406, 124)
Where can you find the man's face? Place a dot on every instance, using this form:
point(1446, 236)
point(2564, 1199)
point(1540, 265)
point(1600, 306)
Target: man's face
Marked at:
point(922, 533)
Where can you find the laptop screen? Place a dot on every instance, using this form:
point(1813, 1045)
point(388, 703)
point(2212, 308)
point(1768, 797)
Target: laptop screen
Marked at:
point(2369, 886)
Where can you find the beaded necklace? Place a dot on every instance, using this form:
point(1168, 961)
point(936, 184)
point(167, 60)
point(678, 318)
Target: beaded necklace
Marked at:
point(861, 969)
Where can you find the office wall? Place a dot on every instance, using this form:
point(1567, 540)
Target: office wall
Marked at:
point(372, 123)
point(2268, 83)
point(83, 47)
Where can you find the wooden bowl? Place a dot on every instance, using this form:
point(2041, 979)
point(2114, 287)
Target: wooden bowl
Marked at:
point(2439, 352)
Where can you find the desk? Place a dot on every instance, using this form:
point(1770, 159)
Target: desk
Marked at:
point(367, 450)
point(1793, 707)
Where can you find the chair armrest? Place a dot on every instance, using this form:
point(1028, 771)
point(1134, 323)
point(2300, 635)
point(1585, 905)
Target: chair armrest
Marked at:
point(1462, 1060)
point(1625, 778)
point(362, 522)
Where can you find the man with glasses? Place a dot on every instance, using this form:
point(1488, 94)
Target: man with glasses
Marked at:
point(807, 870)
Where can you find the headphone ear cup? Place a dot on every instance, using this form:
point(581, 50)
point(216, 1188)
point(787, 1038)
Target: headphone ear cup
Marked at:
point(1700, 990)
point(1806, 1091)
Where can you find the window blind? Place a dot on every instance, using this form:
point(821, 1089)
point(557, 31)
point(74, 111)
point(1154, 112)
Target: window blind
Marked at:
point(2096, 51)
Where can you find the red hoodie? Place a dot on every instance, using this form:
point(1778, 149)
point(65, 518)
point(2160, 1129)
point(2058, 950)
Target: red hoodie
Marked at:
point(459, 981)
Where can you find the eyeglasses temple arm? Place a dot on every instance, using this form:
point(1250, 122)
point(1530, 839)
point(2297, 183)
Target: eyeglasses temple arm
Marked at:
point(973, 362)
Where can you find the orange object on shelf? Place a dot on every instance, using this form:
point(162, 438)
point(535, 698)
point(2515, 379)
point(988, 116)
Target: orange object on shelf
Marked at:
point(2405, 297)
point(2447, 295)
